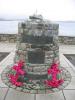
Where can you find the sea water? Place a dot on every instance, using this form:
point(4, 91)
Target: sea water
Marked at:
point(66, 28)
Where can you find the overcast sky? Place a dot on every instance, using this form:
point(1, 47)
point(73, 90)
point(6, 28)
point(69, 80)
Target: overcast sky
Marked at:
point(50, 9)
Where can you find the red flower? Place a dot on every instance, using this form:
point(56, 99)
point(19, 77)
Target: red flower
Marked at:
point(18, 67)
point(14, 78)
point(15, 67)
point(18, 83)
point(54, 84)
point(49, 71)
point(21, 72)
point(54, 65)
point(54, 70)
point(20, 64)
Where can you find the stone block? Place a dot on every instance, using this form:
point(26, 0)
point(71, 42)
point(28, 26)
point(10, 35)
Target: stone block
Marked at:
point(47, 53)
point(56, 59)
point(55, 26)
point(21, 57)
point(21, 30)
point(48, 62)
point(28, 45)
point(22, 45)
point(11, 40)
point(43, 73)
point(30, 68)
point(3, 38)
point(38, 69)
point(19, 25)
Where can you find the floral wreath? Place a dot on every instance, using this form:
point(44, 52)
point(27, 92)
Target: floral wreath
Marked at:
point(54, 75)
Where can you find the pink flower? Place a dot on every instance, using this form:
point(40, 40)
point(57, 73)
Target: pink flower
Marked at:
point(61, 81)
point(54, 84)
point(18, 83)
point(54, 70)
point(20, 64)
point(54, 66)
point(14, 78)
point(49, 71)
point(15, 67)
point(18, 67)
point(21, 72)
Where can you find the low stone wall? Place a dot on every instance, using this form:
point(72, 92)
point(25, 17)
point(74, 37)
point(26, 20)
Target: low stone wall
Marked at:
point(68, 40)
point(12, 38)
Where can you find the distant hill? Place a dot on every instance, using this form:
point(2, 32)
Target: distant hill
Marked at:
point(13, 18)
point(1, 19)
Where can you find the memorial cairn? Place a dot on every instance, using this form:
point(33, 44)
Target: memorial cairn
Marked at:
point(36, 67)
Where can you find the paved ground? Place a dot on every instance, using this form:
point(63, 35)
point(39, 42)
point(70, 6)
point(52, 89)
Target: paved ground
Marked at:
point(3, 55)
point(9, 94)
point(71, 58)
